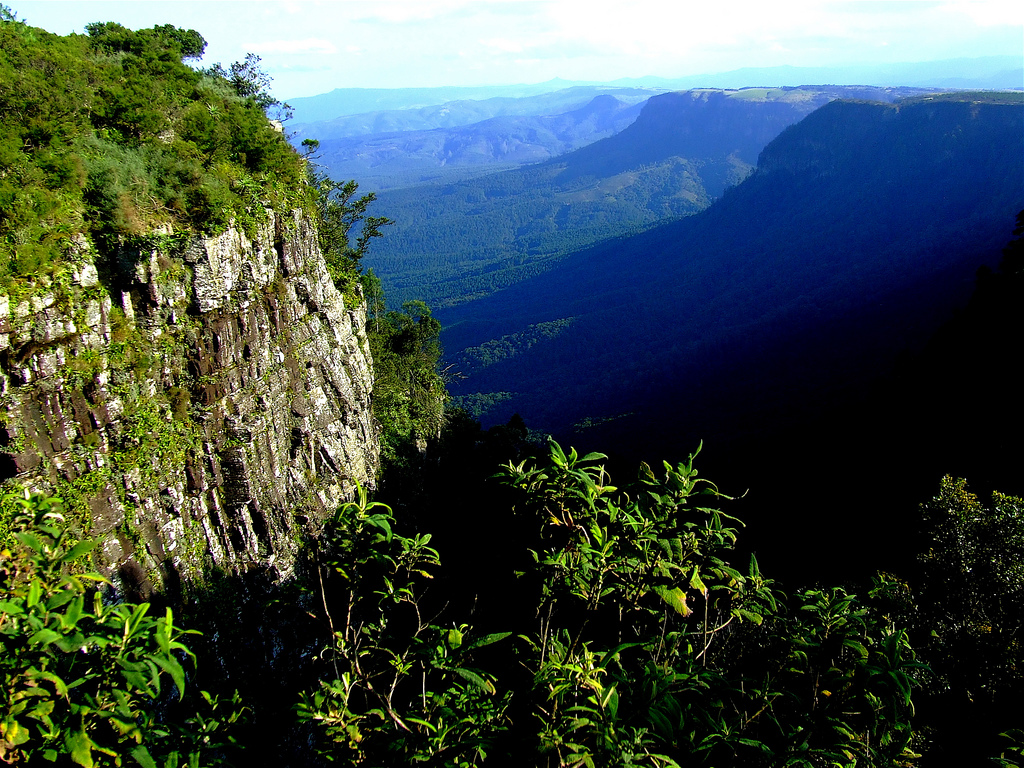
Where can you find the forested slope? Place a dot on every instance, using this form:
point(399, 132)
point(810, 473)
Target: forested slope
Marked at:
point(862, 228)
point(455, 243)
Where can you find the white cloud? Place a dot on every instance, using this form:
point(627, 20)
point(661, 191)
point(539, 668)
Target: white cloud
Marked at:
point(402, 12)
point(503, 44)
point(307, 45)
point(397, 43)
point(988, 13)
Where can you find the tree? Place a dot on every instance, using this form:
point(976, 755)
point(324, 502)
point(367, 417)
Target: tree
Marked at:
point(250, 81)
point(969, 617)
point(409, 393)
point(191, 43)
point(187, 43)
point(343, 216)
point(649, 648)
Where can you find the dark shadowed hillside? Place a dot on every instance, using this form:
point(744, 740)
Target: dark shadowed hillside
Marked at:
point(455, 243)
point(859, 234)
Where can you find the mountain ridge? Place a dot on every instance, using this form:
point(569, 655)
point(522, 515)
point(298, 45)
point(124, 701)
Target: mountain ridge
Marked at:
point(694, 296)
point(396, 159)
point(454, 243)
point(995, 72)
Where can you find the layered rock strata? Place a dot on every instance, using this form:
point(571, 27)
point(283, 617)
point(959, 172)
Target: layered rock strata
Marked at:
point(198, 402)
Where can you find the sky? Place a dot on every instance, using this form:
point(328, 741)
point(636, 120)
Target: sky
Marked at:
point(314, 47)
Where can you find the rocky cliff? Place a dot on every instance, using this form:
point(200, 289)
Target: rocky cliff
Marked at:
point(197, 402)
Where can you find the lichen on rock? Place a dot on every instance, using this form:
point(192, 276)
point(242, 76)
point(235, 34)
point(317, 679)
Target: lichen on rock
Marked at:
point(197, 401)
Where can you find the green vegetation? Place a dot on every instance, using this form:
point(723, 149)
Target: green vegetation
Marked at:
point(715, 307)
point(402, 692)
point(112, 135)
point(409, 393)
point(492, 352)
point(973, 559)
point(88, 681)
point(627, 638)
point(634, 642)
point(574, 622)
point(971, 97)
point(457, 242)
point(344, 228)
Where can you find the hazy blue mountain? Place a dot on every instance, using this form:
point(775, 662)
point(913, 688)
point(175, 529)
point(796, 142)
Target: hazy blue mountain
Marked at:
point(987, 72)
point(861, 229)
point(458, 242)
point(452, 114)
point(400, 159)
point(354, 101)
point(997, 72)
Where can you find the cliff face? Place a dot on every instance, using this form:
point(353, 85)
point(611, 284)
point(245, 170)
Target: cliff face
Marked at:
point(855, 137)
point(196, 402)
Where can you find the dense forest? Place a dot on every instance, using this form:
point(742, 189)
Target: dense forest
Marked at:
point(455, 243)
point(802, 253)
point(504, 600)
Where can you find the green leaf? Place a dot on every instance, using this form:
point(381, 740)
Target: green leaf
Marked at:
point(132, 672)
point(454, 638)
point(10, 608)
point(74, 613)
point(743, 613)
point(81, 548)
point(698, 584)
point(610, 702)
point(469, 675)
point(487, 640)
point(35, 591)
point(44, 637)
point(381, 522)
point(857, 646)
point(142, 757)
point(426, 724)
point(79, 746)
point(62, 689)
point(16, 733)
point(62, 597)
point(675, 598)
point(170, 665)
point(30, 540)
point(662, 725)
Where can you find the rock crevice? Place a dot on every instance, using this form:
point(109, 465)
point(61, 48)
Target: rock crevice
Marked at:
point(208, 405)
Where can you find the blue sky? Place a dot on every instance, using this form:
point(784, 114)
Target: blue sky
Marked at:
point(314, 47)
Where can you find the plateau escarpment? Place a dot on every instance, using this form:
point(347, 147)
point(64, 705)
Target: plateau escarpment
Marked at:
point(856, 237)
point(196, 401)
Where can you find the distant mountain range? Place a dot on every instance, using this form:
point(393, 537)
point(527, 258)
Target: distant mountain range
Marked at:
point(989, 72)
point(986, 73)
point(357, 101)
point(458, 242)
point(383, 150)
point(464, 112)
point(393, 138)
point(860, 230)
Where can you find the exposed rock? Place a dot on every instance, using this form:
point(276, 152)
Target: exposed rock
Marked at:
point(208, 410)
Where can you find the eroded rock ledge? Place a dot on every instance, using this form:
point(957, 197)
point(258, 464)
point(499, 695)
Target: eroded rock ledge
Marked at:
point(205, 411)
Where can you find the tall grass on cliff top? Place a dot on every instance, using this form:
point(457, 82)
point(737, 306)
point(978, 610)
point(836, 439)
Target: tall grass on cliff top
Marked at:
point(111, 134)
